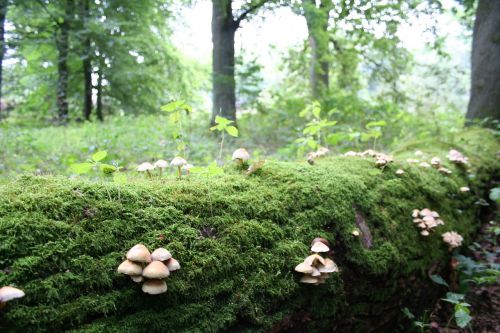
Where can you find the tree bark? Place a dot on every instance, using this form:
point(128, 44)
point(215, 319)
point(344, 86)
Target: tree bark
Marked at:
point(485, 61)
point(62, 45)
point(3, 13)
point(223, 81)
point(87, 63)
point(317, 26)
point(99, 94)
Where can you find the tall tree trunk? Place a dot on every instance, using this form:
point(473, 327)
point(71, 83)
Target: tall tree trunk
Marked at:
point(223, 81)
point(317, 26)
point(62, 44)
point(3, 13)
point(99, 93)
point(485, 80)
point(87, 63)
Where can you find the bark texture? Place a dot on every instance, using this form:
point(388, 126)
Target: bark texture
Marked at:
point(87, 63)
point(317, 16)
point(223, 81)
point(3, 13)
point(62, 45)
point(485, 81)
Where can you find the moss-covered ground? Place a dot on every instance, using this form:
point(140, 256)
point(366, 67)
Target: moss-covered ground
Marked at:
point(238, 239)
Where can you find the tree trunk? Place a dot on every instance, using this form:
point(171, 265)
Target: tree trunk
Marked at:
point(87, 63)
point(317, 26)
point(223, 31)
point(99, 94)
point(485, 80)
point(62, 44)
point(3, 13)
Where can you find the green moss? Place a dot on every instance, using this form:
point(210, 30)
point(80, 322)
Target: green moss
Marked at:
point(61, 241)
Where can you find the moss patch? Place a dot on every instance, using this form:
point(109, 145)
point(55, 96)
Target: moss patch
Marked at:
point(61, 241)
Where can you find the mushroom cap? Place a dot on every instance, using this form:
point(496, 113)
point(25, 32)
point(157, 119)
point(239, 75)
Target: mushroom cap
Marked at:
point(9, 293)
point(178, 162)
point(320, 239)
point(187, 167)
point(139, 253)
point(146, 166)
point(137, 278)
point(400, 171)
point(425, 212)
point(313, 259)
point(309, 279)
point(315, 272)
point(464, 189)
point(129, 268)
point(173, 265)
point(436, 161)
point(328, 267)
point(304, 268)
point(424, 233)
point(319, 247)
point(156, 270)
point(154, 287)
point(452, 238)
point(162, 164)
point(415, 213)
point(355, 232)
point(241, 154)
point(160, 254)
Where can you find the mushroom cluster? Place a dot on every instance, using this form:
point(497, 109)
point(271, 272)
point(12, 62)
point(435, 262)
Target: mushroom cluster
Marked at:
point(9, 293)
point(436, 164)
point(453, 239)
point(457, 157)
point(150, 268)
point(311, 156)
point(426, 220)
point(178, 162)
point(315, 268)
point(381, 159)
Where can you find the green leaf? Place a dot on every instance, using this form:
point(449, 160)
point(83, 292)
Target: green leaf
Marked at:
point(462, 317)
point(231, 130)
point(439, 280)
point(99, 156)
point(107, 168)
point(176, 106)
point(379, 123)
point(222, 121)
point(453, 298)
point(495, 194)
point(81, 168)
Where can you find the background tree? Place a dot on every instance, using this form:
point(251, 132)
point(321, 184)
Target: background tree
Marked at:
point(3, 13)
point(485, 62)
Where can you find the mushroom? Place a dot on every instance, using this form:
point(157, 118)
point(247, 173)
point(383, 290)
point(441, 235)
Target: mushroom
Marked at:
point(399, 172)
point(328, 267)
point(309, 279)
point(154, 287)
point(304, 268)
point(319, 247)
point(178, 162)
point(161, 164)
point(9, 293)
point(156, 270)
point(146, 167)
point(173, 265)
point(453, 239)
point(425, 165)
point(137, 278)
point(186, 168)
point(129, 268)
point(313, 259)
point(464, 189)
point(241, 156)
point(139, 253)
point(444, 171)
point(436, 162)
point(160, 254)
point(457, 157)
point(419, 153)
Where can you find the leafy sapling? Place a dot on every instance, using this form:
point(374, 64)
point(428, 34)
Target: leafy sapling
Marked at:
point(224, 126)
point(175, 110)
point(95, 162)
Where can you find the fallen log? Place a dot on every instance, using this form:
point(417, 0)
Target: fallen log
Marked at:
point(238, 239)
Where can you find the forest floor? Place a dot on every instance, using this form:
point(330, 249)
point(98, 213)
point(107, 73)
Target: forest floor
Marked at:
point(484, 298)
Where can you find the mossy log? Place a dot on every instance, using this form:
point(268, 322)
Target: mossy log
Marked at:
point(238, 239)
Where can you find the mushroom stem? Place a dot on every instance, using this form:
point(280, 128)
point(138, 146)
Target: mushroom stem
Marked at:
point(161, 171)
point(180, 172)
point(149, 174)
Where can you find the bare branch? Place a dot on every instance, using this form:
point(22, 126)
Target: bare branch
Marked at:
point(252, 8)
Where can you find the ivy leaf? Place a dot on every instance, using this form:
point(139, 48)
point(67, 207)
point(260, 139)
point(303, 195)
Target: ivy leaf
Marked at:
point(99, 156)
point(462, 317)
point(231, 130)
point(439, 280)
point(81, 168)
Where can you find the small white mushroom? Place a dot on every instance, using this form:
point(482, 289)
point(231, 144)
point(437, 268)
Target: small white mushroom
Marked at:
point(146, 167)
point(309, 279)
point(453, 239)
point(173, 265)
point(178, 162)
point(139, 253)
point(241, 156)
point(399, 172)
point(154, 287)
point(9, 293)
point(161, 164)
point(129, 268)
point(156, 270)
point(464, 189)
point(319, 247)
point(160, 254)
point(304, 268)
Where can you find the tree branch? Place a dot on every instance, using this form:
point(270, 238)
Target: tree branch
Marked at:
point(249, 10)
